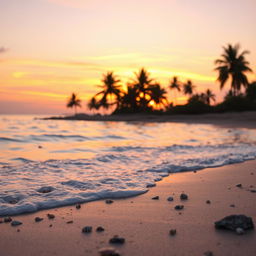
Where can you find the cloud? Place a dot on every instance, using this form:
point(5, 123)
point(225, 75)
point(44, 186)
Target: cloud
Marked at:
point(3, 50)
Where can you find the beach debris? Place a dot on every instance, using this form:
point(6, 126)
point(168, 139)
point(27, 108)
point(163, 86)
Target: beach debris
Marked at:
point(7, 219)
point(239, 185)
point(87, 229)
point(116, 240)
point(109, 201)
point(150, 185)
point(208, 201)
point(78, 206)
point(45, 190)
point(183, 196)
point(170, 199)
point(155, 198)
point(69, 222)
point(240, 231)
point(172, 232)
point(208, 253)
point(38, 219)
point(232, 205)
point(100, 229)
point(108, 252)
point(179, 207)
point(50, 216)
point(16, 223)
point(232, 222)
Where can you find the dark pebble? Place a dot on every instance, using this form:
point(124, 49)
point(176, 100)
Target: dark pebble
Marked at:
point(208, 253)
point(117, 240)
point(253, 190)
point(69, 222)
point(38, 219)
point(7, 219)
point(155, 198)
point(100, 229)
point(87, 229)
point(50, 216)
point(109, 201)
point(239, 185)
point(183, 196)
point(151, 185)
point(179, 207)
point(16, 223)
point(78, 206)
point(172, 232)
point(208, 201)
point(232, 205)
point(108, 252)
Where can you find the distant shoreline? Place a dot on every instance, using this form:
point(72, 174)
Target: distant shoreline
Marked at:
point(231, 119)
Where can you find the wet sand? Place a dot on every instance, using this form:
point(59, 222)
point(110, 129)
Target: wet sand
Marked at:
point(145, 223)
point(232, 119)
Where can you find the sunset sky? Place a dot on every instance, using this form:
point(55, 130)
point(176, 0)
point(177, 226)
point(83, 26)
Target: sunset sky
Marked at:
point(51, 48)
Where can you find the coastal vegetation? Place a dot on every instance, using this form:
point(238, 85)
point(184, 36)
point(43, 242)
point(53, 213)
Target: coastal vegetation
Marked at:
point(145, 94)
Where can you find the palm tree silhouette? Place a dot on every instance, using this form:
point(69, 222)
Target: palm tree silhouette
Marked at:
point(209, 95)
point(175, 85)
point(233, 65)
point(188, 88)
point(74, 101)
point(93, 104)
point(158, 95)
point(111, 87)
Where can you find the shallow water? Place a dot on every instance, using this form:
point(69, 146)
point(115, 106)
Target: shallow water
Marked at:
point(80, 161)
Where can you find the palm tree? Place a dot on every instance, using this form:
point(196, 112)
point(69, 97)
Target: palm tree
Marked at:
point(74, 101)
point(93, 104)
point(209, 95)
point(141, 84)
point(233, 65)
point(111, 87)
point(158, 95)
point(188, 88)
point(175, 85)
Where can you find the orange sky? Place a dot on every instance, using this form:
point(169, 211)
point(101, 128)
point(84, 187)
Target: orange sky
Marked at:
point(51, 48)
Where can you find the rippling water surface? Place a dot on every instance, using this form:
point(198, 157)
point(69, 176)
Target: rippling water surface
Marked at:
point(77, 161)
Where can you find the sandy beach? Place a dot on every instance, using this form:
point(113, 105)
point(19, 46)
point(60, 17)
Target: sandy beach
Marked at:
point(230, 119)
point(145, 223)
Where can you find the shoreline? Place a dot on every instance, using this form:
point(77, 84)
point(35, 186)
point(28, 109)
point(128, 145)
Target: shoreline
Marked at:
point(230, 119)
point(145, 223)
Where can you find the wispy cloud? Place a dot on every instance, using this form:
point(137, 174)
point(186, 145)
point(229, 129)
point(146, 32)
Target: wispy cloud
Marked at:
point(3, 49)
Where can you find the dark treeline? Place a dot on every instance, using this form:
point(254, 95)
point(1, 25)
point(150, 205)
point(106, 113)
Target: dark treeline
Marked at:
point(145, 95)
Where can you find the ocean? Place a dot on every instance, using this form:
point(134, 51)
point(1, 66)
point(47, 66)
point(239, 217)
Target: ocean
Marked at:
point(51, 163)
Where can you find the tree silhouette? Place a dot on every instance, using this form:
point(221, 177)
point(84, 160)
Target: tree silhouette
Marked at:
point(209, 95)
point(188, 88)
point(158, 95)
point(175, 86)
point(233, 65)
point(110, 88)
point(74, 102)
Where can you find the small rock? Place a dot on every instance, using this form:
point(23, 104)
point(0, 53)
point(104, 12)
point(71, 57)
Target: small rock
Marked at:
point(195, 171)
point(16, 223)
point(155, 198)
point(45, 190)
point(50, 225)
point(253, 190)
point(40, 146)
point(179, 207)
point(232, 205)
point(108, 252)
point(151, 185)
point(7, 219)
point(208, 253)
point(100, 229)
point(38, 219)
point(233, 222)
point(18, 230)
point(172, 232)
point(183, 196)
point(239, 185)
point(170, 199)
point(78, 206)
point(87, 229)
point(109, 201)
point(208, 201)
point(50, 216)
point(69, 222)
point(117, 240)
